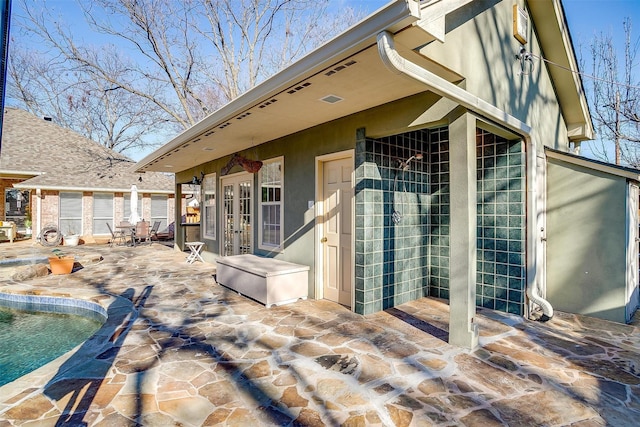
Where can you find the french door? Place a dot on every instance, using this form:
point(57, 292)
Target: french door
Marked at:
point(237, 193)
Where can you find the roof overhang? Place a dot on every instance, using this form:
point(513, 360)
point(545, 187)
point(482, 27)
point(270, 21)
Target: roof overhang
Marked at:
point(76, 188)
point(316, 89)
point(611, 169)
point(551, 26)
point(346, 76)
point(17, 174)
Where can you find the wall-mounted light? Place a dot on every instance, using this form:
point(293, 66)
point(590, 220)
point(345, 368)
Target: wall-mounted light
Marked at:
point(196, 180)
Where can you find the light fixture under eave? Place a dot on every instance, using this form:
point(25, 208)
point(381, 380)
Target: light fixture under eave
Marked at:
point(331, 99)
point(196, 180)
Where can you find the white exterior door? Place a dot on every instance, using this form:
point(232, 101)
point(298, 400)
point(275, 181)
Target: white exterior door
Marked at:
point(336, 240)
point(237, 194)
point(632, 293)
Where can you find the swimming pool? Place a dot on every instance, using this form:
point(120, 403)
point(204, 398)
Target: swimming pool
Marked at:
point(37, 330)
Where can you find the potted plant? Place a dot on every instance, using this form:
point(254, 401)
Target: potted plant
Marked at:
point(61, 263)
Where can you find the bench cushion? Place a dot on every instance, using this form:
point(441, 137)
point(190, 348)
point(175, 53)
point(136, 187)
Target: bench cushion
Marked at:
point(261, 266)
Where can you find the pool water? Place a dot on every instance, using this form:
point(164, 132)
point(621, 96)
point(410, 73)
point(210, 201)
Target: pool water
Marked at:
point(34, 335)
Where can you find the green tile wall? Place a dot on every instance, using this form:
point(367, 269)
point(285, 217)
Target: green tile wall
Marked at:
point(500, 280)
point(396, 262)
point(391, 258)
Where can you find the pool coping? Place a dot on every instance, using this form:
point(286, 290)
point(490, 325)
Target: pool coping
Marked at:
point(32, 383)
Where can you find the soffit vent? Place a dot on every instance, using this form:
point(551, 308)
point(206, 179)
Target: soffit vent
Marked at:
point(266, 104)
point(211, 132)
point(224, 125)
point(242, 116)
point(340, 68)
point(298, 88)
point(331, 99)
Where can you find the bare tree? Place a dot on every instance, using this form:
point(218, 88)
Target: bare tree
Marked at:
point(81, 102)
point(179, 60)
point(615, 98)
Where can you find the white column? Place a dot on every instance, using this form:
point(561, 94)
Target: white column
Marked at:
point(463, 331)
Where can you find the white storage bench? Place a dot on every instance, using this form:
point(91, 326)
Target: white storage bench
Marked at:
point(267, 280)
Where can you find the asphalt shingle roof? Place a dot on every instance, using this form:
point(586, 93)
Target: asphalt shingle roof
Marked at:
point(59, 158)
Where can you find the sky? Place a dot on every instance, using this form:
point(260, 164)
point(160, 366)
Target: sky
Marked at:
point(585, 18)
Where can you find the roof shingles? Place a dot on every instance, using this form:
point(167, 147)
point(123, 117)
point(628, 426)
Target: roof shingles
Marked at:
point(59, 158)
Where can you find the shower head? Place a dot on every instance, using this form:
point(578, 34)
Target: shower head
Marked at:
point(404, 164)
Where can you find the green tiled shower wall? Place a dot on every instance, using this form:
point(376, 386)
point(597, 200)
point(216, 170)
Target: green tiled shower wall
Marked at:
point(403, 260)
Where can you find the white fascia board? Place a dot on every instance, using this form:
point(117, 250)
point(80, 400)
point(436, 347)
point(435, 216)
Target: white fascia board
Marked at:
point(596, 165)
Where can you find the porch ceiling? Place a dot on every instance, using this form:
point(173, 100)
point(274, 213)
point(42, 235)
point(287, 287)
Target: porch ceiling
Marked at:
point(298, 107)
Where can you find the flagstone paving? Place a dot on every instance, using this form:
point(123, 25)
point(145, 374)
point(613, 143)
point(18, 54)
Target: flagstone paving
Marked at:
point(180, 350)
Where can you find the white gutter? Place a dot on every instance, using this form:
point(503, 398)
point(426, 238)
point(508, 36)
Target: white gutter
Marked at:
point(399, 65)
point(90, 189)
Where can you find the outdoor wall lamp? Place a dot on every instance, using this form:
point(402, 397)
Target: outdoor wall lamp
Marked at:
point(196, 180)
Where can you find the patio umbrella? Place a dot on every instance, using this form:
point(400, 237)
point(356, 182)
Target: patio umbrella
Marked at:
point(134, 217)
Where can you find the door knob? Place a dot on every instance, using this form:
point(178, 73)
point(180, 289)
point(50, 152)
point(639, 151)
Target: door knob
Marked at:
point(323, 240)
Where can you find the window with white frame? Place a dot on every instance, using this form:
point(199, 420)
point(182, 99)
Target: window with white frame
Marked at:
point(159, 210)
point(271, 230)
point(70, 221)
point(209, 204)
point(102, 212)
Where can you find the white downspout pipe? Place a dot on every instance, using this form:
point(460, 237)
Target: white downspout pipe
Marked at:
point(400, 65)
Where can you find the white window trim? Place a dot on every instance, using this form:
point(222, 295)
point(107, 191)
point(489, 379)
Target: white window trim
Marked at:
point(261, 244)
point(209, 234)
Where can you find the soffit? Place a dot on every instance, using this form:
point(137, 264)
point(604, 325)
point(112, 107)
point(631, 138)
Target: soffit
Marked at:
point(348, 67)
point(557, 47)
point(359, 82)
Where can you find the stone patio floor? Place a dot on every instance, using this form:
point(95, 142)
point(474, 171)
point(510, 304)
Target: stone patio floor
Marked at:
point(180, 350)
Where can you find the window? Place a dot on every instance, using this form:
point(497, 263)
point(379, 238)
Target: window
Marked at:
point(70, 213)
point(102, 212)
point(209, 202)
point(270, 212)
point(159, 210)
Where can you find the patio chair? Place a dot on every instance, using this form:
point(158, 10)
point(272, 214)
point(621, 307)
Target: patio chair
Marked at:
point(153, 233)
point(118, 237)
point(142, 232)
point(166, 234)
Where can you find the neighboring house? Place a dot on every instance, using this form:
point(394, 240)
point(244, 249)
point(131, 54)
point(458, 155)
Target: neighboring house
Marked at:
point(404, 158)
point(52, 175)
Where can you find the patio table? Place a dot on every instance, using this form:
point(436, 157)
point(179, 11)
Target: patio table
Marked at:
point(130, 230)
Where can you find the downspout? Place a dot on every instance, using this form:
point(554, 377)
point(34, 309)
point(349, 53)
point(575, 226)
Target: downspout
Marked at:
point(399, 65)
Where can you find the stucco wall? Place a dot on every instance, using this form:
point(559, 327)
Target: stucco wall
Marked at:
point(586, 238)
point(480, 46)
point(299, 151)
